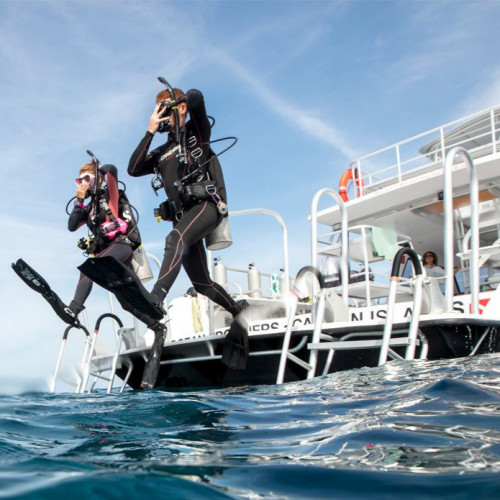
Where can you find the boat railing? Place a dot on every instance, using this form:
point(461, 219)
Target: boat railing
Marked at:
point(256, 290)
point(485, 252)
point(259, 290)
point(489, 236)
point(344, 256)
point(449, 231)
point(362, 244)
point(479, 133)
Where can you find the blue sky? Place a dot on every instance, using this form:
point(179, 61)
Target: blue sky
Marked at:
point(306, 86)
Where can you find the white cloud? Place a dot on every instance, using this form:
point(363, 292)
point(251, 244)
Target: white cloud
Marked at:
point(437, 40)
point(312, 126)
point(486, 94)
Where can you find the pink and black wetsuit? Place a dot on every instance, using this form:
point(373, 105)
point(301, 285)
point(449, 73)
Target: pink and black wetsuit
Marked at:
point(93, 215)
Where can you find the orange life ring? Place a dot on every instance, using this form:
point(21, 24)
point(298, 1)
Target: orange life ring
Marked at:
point(344, 180)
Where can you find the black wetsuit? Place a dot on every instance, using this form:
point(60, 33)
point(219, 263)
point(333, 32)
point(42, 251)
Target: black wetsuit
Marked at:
point(119, 247)
point(184, 244)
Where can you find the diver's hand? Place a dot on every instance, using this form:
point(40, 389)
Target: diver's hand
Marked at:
point(82, 189)
point(156, 118)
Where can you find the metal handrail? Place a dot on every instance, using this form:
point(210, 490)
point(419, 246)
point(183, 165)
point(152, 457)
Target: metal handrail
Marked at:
point(371, 177)
point(277, 216)
point(417, 305)
point(344, 267)
point(286, 340)
point(449, 231)
point(286, 267)
point(61, 353)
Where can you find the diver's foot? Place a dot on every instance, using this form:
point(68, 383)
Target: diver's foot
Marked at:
point(72, 315)
point(240, 306)
point(157, 303)
point(62, 310)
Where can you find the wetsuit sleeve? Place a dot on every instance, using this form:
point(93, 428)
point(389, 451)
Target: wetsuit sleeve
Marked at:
point(78, 217)
point(141, 163)
point(199, 118)
point(111, 174)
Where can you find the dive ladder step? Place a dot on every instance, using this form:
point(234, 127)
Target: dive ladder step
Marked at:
point(360, 344)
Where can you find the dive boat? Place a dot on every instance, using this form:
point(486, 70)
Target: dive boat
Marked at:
point(365, 298)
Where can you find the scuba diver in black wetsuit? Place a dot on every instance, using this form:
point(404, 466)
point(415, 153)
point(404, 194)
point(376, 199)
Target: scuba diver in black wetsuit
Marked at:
point(184, 163)
point(111, 235)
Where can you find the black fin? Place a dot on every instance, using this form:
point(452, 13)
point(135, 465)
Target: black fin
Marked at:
point(37, 283)
point(152, 368)
point(63, 311)
point(31, 278)
point(117, 278)
point(236, 348)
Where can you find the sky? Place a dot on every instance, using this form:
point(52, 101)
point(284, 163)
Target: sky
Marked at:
point(305, 86)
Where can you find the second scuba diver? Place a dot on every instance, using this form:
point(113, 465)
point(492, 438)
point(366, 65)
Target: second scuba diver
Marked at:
point(183, 164)
point(99, 206)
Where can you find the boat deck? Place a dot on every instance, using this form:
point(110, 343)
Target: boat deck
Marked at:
point(391, 198)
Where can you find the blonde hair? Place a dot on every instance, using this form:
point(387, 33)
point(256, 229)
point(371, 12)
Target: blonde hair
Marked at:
point(88, 168)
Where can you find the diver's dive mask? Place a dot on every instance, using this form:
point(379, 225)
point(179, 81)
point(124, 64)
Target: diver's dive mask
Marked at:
point(86, 177)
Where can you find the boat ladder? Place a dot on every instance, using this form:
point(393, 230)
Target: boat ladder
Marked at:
point(323, 342)
point(318, 311)
point(411, 340)
point(97, 363)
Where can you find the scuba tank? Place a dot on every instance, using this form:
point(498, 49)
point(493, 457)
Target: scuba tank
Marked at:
point(140, 265)
point(254, 284)
point(220, 272)
point(220, 237)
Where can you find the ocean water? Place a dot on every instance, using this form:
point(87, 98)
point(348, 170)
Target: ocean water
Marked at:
point(411, 430)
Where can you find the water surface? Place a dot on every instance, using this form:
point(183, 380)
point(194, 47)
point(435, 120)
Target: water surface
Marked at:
point(418, 429)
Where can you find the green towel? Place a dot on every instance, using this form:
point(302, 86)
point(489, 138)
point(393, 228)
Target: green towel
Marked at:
point(384, 242)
